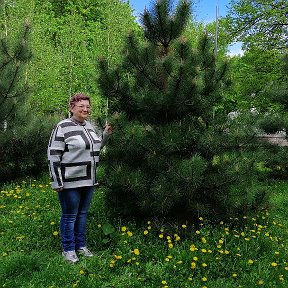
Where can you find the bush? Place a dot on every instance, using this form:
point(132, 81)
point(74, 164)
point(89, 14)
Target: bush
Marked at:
point(23, 149)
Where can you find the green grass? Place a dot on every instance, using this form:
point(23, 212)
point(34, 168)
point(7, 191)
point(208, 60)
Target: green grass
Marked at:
point(251, 254)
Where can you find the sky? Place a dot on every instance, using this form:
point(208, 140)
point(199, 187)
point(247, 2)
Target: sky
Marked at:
point(203, 10)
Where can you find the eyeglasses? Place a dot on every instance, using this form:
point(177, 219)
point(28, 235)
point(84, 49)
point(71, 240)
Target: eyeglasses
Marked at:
point(83, 106)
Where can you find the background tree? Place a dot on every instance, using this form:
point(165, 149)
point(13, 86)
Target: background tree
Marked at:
point(172, 152)
point(251, 73)
point(21, 135)
point(68, 38)
point(259, 23)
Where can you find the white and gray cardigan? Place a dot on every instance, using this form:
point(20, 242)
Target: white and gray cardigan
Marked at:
point(73, 154)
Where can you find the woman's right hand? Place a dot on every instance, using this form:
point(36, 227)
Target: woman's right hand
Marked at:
point(108, 129)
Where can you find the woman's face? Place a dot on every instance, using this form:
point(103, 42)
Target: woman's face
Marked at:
point(81, 110)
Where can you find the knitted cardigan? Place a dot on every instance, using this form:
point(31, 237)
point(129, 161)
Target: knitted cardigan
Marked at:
point(73, 154)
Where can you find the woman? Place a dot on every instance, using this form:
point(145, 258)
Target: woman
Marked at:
point(73, 156)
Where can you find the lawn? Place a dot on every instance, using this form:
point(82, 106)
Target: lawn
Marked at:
point(250, 253)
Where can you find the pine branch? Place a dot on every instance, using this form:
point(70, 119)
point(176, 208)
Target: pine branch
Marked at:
point(128, 140)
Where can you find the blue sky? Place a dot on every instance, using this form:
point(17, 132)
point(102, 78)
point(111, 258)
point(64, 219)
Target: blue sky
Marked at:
point(203, 10)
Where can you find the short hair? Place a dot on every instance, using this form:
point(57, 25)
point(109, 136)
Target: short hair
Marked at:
point(78, 97)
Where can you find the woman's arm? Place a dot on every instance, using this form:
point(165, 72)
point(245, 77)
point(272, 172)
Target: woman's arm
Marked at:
point(55, 151)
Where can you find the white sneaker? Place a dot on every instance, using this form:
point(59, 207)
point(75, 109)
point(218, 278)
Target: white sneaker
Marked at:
point(85, 252)
point(70, 256)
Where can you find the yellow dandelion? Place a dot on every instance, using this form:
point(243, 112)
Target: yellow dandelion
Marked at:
point(176, 236)
point(250, 261)
point(118, 257)
point(52, 223)
point(193, 265)
point(276, 253)
point(204, 279)
point(99, 225)
point(129, 233)
point(170, 245)
point(193, 248)
point(203, 240)
point(281, 278)
point(197, 232)
point(203, 250)
point(234, 275)
point(55, 233)
point(161, 236)
point(164, 282)
point(274, 264)
point(260, 282)
point(82, 272)
point(204, 265)
point(195, 258)
point(286, 268)
point(184, 226)
point(145, 232)
point(201, 218)
point(123, 229)
point(136, 251)
point(190, 278)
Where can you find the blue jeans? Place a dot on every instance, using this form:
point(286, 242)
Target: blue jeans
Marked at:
point(75, 203)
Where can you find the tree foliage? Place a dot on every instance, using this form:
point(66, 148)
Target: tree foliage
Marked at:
point(67, 39)
point(259, 23)
point(12, 87)
point(23, 138)
point(252, 73)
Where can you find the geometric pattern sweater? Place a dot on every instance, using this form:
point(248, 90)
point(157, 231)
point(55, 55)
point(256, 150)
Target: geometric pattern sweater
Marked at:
point(73, 154)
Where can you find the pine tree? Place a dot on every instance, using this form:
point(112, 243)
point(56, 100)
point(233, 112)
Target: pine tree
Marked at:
point(23, 137)
point(173, 152)
point(13, 88)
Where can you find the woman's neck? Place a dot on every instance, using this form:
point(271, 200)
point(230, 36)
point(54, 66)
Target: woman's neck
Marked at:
point(81, 122)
